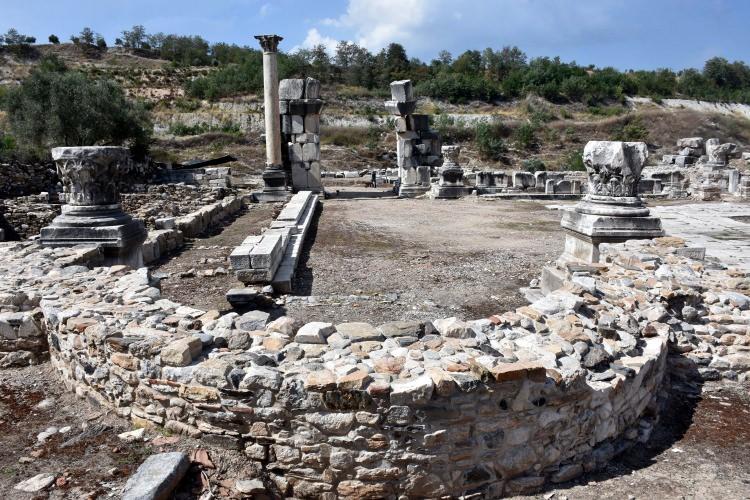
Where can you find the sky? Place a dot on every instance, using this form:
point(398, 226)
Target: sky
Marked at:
point(626, 34)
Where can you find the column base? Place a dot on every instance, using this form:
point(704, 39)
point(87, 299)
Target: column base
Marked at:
point(449, 192)
point(412, 191)
point(119, 235)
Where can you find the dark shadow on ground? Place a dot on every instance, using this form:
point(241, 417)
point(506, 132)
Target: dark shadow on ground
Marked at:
point(678, 409)
point(340, 194)
point(303, 276)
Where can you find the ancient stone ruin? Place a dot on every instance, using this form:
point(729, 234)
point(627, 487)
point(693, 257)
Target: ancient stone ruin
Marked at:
point(92, 213)
point(300, 106)
point(418, 148)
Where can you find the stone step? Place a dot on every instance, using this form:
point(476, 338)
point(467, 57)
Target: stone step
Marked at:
point(282, 280)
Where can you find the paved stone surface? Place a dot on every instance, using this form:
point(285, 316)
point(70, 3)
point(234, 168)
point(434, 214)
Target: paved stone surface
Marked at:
point(716, 226)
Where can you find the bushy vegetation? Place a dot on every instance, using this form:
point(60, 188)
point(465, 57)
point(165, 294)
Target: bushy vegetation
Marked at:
point(56, 106)
point(533, 165)
point(18, 44)
point(632, 129)
point(489, 139)
point(573, 161)
point(181, 129)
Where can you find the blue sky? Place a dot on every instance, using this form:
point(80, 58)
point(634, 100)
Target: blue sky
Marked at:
point(627, 34)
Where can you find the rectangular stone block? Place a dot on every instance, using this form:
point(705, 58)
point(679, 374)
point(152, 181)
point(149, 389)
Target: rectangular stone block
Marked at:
point(402, 124)
point(286, 124)
point(420, 122)
point(312, 88)
point(295, 152)
point(283, 107)
point(297, 124)
point(312, 124)
point(291, 88)
point(240, 257)
point(303, 138)
point(401, 90)
point(400, 108)
point(263, 255)
point(313, 106)
point(310, 152)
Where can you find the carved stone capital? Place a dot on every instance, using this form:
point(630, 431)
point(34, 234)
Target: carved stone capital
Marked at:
point(614, 168)
point(450, 155)
point(269, 43)
point(90, 174)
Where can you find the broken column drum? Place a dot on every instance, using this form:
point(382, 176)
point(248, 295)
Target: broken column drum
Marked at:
point(92, 213)
point(612, 211)
point(274, 177)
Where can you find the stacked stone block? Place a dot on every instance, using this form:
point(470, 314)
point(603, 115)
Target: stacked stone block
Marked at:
point(418, 148)
point(690, 150)
point(300, 106)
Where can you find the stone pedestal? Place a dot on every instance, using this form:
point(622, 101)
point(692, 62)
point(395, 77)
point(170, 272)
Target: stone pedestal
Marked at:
point(451, 183)
point(274, 176)
point(92, 213)
point(612, 212)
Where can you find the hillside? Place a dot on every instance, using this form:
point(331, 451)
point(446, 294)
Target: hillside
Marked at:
point(356, 133)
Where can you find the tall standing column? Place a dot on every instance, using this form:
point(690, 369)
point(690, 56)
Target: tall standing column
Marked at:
point(274, 178)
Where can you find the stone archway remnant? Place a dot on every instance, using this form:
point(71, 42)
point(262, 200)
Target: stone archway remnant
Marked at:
point(274, 177)
point(418, 147)
point(612, 211)
point(92, 213)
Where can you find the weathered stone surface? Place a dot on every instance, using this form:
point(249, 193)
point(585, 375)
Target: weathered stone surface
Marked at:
point(156, 477)
point(37, 483)
point(252, 321)
point(358, 332)
point(414, 391)
point(314, 333)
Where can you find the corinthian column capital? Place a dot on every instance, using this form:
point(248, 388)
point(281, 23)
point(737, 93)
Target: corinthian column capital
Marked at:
point(269, 43)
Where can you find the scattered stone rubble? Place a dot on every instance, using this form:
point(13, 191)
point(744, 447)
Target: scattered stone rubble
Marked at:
point(701, 169)
point(22, 179)
point(500, 405)
point(300, 106)
point(418, 148)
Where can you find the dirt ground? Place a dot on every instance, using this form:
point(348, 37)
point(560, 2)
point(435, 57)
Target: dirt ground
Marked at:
point(375, 258)
point(698, 450)
point(185, 273)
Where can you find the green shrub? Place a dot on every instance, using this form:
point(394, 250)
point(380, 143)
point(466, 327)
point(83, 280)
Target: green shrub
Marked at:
point(533, 165)
point(459, 88)
point(451, 130)
point(489, 141)
point(632, 130)
point(181, 129)
point(525, 136)
point(573, 162)
point(346, 136)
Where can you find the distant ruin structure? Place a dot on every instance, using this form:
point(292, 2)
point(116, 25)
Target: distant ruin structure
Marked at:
point(274, 177)
point(92, 213)
point(300, 106)
point(418, 148)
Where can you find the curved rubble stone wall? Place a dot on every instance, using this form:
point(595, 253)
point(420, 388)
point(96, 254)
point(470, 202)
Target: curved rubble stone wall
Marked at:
point(496, 406)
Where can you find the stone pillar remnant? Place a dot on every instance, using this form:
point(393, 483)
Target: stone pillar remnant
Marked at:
point(612, 211)
point(274, 177)
point(418, 147)
point(300, 106)
point(92, 213)
point(451, 182)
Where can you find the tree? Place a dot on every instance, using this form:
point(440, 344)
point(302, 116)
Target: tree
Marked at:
point(18, 44)
point(53, 39)
point(134, 38)
point(101, 43)
point(86, 36)
point(58, 107)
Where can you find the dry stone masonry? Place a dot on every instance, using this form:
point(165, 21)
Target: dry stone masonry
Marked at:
point(300, 106)
point(418, 148)
point(499, 405)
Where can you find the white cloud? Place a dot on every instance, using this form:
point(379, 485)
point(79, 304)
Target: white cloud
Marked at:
point(264, 9)
point(376, 23)
point(314, 38)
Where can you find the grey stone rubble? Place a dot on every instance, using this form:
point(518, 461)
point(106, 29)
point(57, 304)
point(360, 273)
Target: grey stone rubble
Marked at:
point(22, 179)
point(205, 176)
point(300, 106)
point(418, 148)
point(570, 375)
point(701, 169)
point(271, 258)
